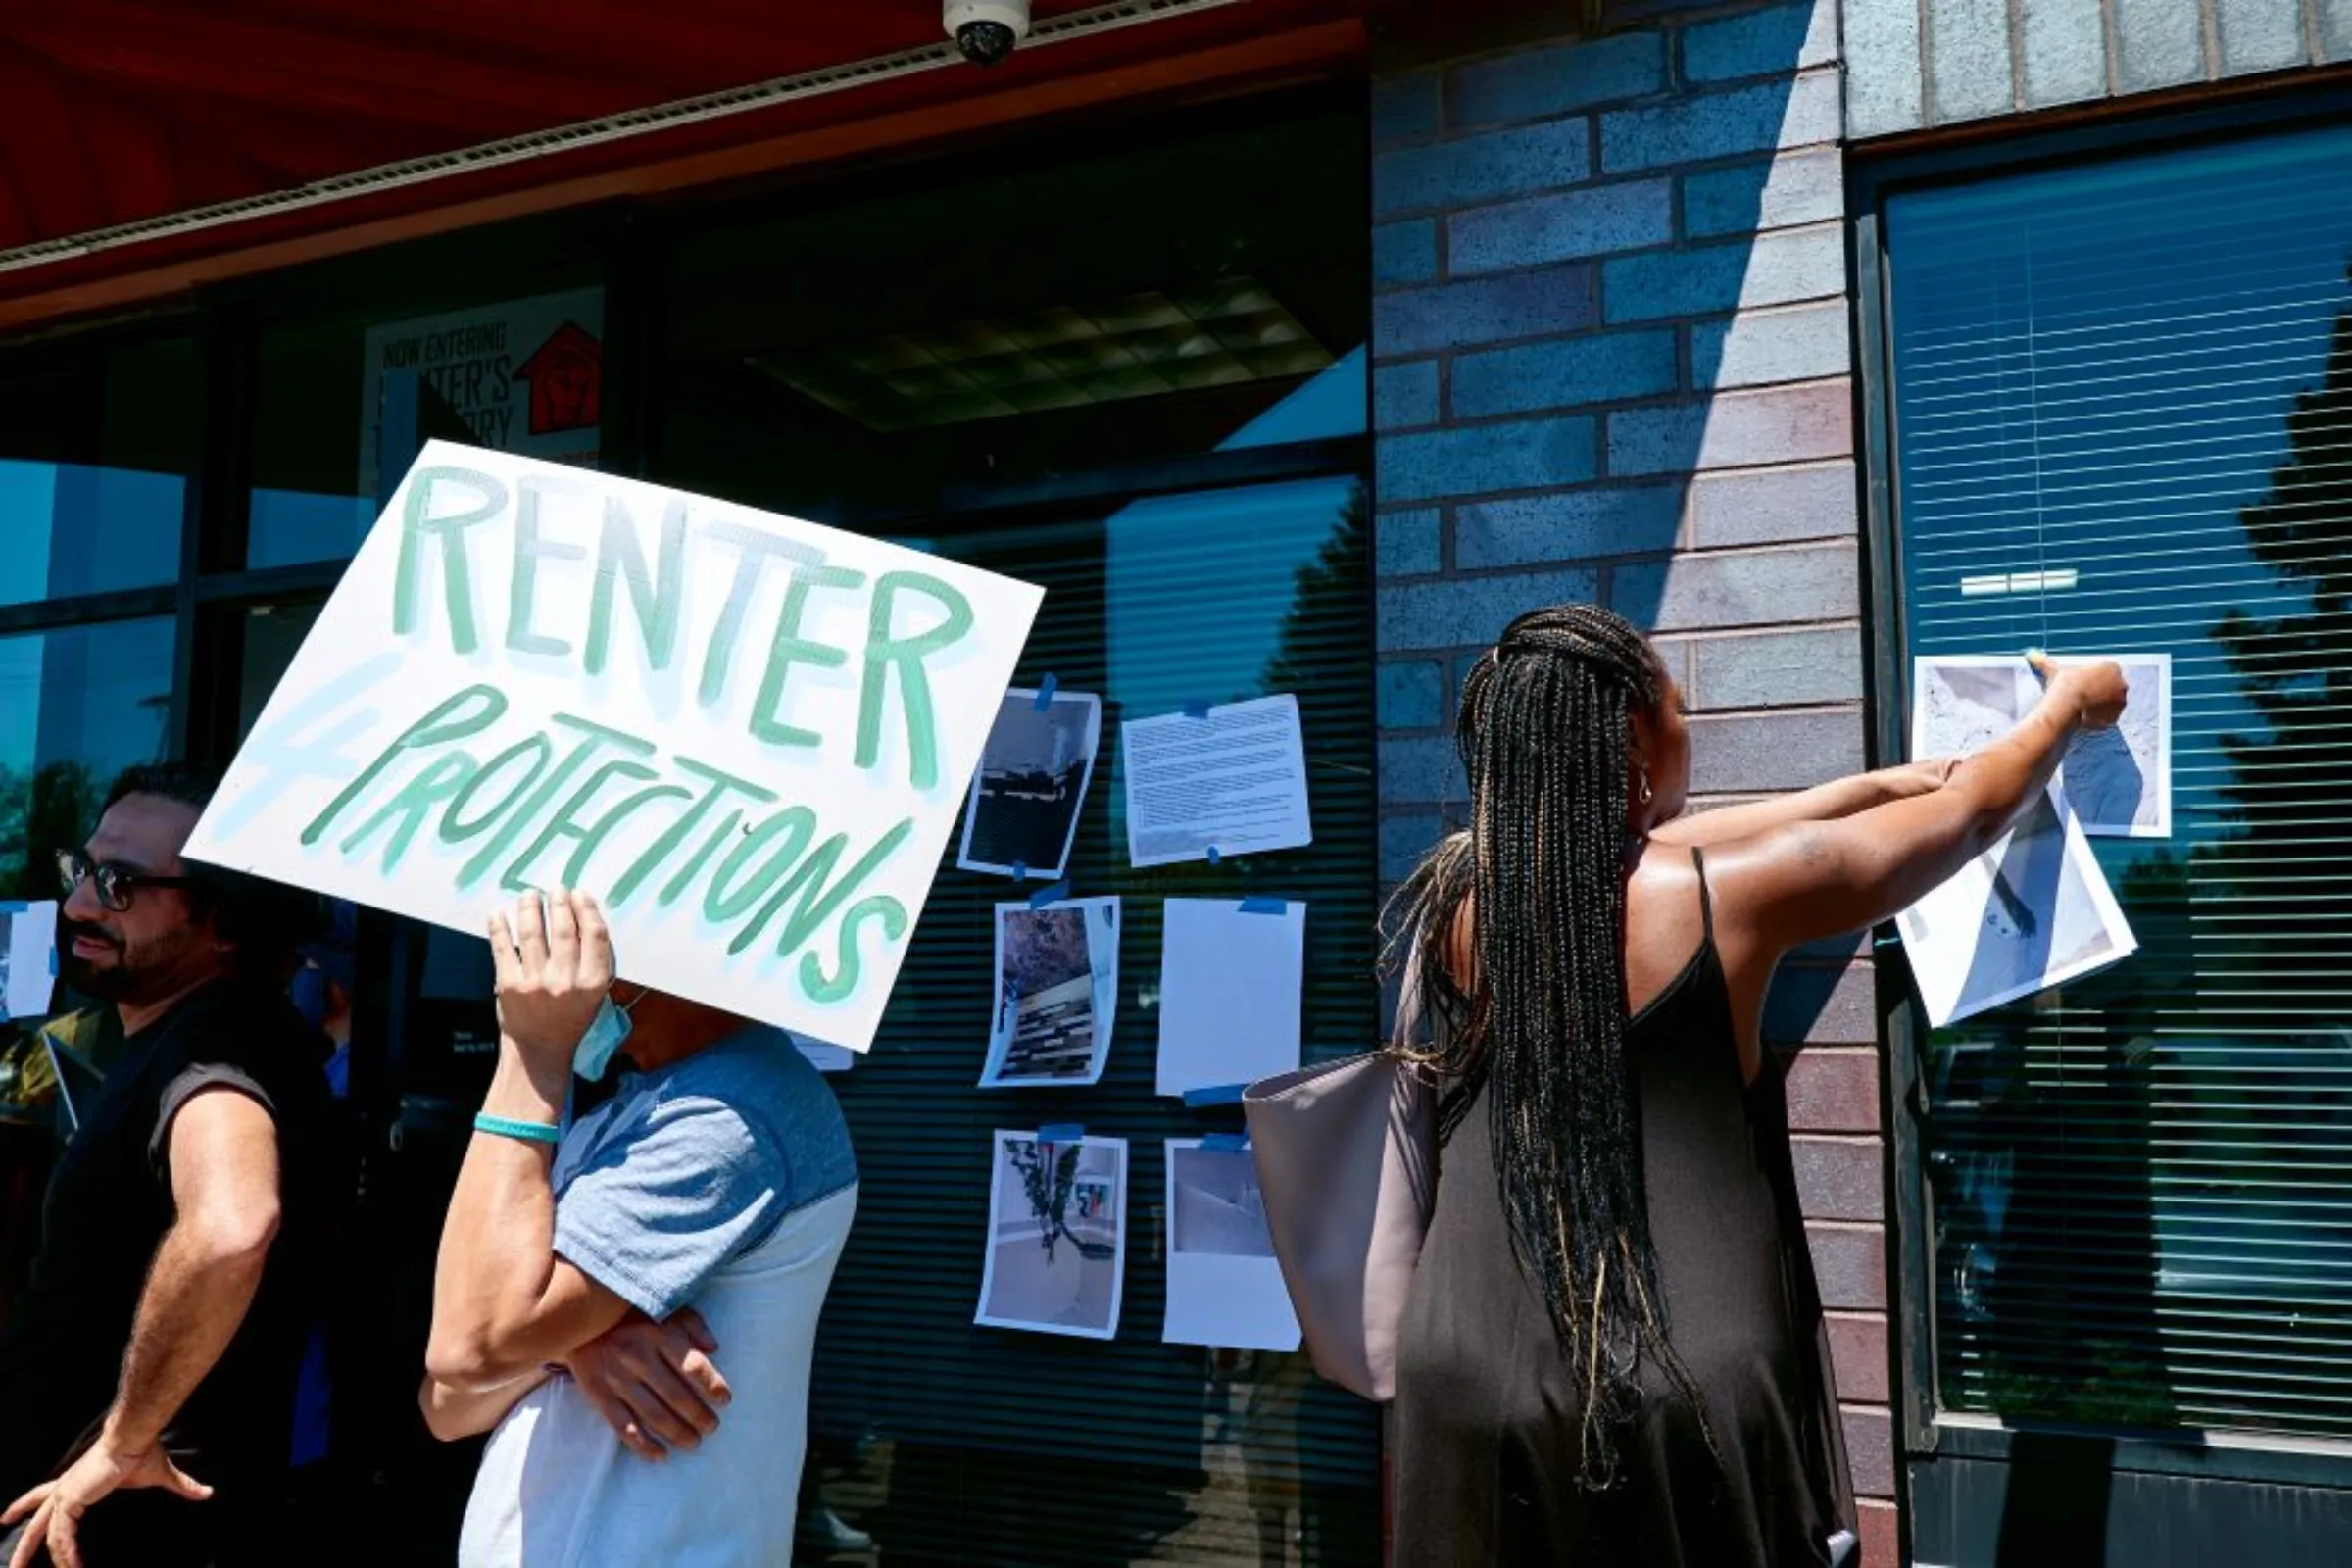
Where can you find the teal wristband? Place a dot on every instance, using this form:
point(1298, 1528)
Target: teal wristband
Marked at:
point(531, 1132)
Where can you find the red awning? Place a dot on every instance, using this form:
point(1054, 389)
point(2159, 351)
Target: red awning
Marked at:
point(119, 113)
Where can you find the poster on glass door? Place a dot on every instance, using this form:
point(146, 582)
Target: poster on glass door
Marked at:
point(526, 375)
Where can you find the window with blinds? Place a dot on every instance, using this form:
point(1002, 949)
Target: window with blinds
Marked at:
point(2123, 397)
point(1151, 402)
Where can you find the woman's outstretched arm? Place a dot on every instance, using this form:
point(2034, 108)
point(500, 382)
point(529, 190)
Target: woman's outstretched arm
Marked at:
point(1823, 802)
point(1813, 880)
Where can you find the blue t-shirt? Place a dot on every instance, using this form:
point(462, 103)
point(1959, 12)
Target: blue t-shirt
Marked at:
point(689, 1167)
point(724, 1183)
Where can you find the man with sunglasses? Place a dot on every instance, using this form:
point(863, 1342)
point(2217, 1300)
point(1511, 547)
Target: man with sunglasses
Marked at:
point(148, 1375)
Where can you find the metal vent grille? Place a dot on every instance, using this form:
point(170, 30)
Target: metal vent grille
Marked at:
point(1076, 26)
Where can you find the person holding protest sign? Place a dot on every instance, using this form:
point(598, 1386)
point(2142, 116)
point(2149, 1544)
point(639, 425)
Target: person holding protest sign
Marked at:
point(150, 1367)
point(711, 1197)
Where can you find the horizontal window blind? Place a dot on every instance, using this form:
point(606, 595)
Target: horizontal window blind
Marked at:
point(949, 1443)
point(2124, 423)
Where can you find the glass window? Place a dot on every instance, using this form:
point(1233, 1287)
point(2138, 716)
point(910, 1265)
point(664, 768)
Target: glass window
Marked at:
point(2124, 405)
point(892, 355)
point(1189, 1455)
point(521, 374)
point(861, 356)
point(76, 707)
point(96, 444)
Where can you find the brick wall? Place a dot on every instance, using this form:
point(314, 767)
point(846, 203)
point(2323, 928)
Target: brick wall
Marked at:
point(1911, 64)
point(1611, 360)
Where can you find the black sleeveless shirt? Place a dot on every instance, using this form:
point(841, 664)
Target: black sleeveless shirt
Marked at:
point(1488, 1412)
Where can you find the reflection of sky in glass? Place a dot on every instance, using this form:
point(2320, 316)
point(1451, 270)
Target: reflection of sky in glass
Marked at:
point(1237, 548)
point(2093, 372)
point(2087, 382)
point(98, 694)
point(71, 528)
point(293, 525)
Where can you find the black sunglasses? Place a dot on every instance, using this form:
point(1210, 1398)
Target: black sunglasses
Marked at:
point(115, 883)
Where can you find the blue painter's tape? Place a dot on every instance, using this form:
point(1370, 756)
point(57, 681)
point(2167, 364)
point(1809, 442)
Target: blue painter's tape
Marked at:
point(1062, 1132)
point(1195, 707)
point(1213, 855)
point(1021, 870)
point(1053, 894)
point(1263, 904)
point(1220, 1094)
point(13, 906)
point(1045, 692)
point(1226, 1142)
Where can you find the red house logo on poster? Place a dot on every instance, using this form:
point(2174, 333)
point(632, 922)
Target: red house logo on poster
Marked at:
point(565, 377)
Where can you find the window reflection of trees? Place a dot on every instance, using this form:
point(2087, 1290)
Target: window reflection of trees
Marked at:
point(2140, 1176)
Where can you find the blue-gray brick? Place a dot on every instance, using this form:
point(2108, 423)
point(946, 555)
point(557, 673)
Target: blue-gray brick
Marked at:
point(1719, 592)
point(1882, 79)
point(1471, 612)
point(1485, 310)
point(1757, 348)
point(1968, 59)
point(1773, 752)
point(1412, 695)
point(1483, 168)
point(2066, 52)
point(1843, 1178)
point(1405, 837)
point(1524, 455)
point(1776, 269)
point(1763, 43)
point(1814, 1005)
point(2158, 43)
point(1776, 193)
point(1778, 670)
point(1404, 544)
point(1736, 431)
point(1405, 396)
point(1404, 108)
point(2335, 29)
point(1869, 1446)
point(1597, 367)
point(1774, 506)
point(1722, 124)
point(1536, 83)
point(2260, 35)
point(1567, 525)
point(1592, 221)
point(1405, 252)
point(1420, 770)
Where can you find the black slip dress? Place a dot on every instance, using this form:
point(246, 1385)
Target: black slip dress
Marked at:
point(1487, 1411)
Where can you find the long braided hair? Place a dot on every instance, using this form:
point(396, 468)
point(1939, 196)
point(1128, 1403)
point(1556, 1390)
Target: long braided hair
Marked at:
point(1546, 730)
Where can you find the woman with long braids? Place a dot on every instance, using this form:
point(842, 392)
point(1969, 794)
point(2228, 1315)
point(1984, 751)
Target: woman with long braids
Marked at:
point(1614, 1354)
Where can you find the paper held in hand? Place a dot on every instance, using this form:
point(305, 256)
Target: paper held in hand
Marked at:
point(748, 735)
point(2032, 913)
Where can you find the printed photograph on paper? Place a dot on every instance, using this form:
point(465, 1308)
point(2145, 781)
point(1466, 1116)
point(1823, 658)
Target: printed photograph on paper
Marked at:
point(1022, 817)
point(1225, 1286)
point(1056, 1236)
point(1056, 995)
point(2118, 781)
point(2032, 913)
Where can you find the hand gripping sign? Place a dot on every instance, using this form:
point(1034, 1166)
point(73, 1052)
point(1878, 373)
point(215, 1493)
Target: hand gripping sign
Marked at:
point(747, 735)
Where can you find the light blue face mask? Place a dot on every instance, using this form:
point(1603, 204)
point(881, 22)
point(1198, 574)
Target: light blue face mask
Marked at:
point(607, 1032)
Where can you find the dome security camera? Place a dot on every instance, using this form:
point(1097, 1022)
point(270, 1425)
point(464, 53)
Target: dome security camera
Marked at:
point(986, 30)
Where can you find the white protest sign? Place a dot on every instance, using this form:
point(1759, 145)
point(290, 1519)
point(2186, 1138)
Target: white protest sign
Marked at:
point(746, 734)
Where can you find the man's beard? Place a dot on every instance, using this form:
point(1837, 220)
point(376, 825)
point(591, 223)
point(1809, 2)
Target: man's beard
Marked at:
point(114, 982)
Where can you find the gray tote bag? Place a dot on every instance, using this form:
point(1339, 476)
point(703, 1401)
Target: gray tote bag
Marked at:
point(1347, 1159)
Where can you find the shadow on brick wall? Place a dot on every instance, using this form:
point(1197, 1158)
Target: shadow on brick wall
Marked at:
point(1610, 346)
